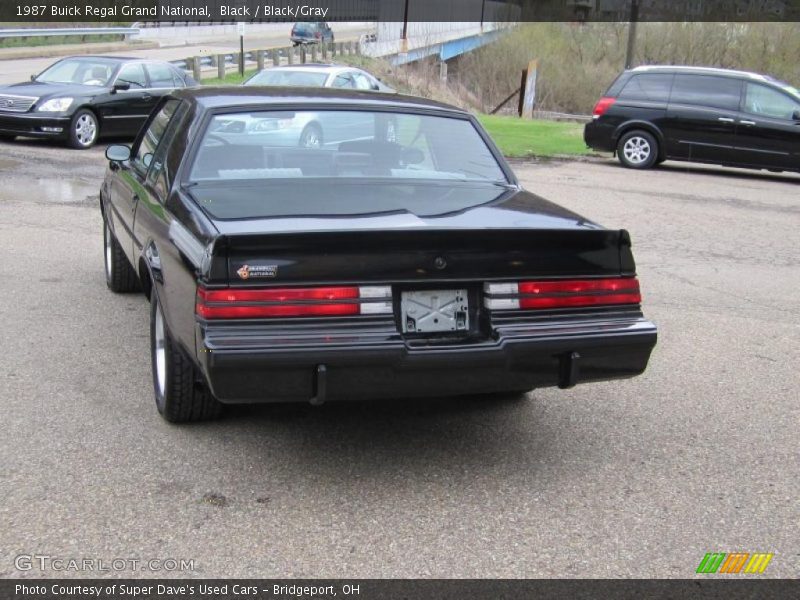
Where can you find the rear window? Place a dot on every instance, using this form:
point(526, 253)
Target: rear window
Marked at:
point(298, 78)
point(341, 162)
point(342, 144)
point(707, 90)
point(647, 86)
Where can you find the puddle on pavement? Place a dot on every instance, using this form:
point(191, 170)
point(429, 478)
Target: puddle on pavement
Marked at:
point(60, 191)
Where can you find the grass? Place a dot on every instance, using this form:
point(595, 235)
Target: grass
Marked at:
point(524, 138)
point(57, 40)
point(231, 78)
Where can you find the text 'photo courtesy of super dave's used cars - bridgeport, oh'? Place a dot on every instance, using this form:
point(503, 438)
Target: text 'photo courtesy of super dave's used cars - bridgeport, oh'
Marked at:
point(396, 256)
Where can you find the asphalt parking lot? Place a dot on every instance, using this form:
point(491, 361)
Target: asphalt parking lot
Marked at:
point(637, 478)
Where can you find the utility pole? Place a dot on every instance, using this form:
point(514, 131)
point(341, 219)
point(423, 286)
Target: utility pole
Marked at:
point(632, 33)
point(404, 37)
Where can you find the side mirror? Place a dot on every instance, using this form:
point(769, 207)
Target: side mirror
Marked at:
point(120, 87)
point(118, 153)
point(33, 77)
point(796, 115)
point(412, 156)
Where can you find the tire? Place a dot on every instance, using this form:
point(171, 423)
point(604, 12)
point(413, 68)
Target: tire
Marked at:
point(180, 395)
point(83, 129)
point(311, 136)
point(120, 276)
point(637, 150)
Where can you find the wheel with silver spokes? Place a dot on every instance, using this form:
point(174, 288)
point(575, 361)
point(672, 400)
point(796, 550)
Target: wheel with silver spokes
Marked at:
point(180, 392)
point(83, 130)
point(637, 150)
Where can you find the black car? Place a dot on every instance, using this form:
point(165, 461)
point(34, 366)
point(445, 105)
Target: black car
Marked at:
point(314, 32)
point(80, 98)
point(409, 264)
point(732, 118)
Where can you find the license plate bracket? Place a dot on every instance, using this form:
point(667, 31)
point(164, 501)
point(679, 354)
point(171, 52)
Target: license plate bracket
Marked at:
point(434, 311)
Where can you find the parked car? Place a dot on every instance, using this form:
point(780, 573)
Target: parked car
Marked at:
point(732, 118)
point(311, 33)
point(80, 98)
point(319, 75)
point(374, 268)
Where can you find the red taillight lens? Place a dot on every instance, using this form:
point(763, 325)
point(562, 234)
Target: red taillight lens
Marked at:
point(563, 294)
point(602, 106)
point(256, 303)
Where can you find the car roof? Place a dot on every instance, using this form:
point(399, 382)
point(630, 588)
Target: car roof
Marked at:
point(316, 68)
point(211, 97)
point(702, 70)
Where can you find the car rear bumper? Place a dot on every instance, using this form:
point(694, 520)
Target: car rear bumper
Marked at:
point(32, 125)
point(259, 365)
point(599, 135)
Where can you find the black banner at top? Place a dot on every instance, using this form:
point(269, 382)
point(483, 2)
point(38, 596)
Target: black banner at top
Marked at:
point(216, 11)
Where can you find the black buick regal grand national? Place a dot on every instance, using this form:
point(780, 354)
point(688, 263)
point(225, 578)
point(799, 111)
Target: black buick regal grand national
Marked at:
point(395, 256)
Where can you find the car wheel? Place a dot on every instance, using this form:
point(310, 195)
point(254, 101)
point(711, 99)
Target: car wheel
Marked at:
point(311, 136)
point(120, 275)
point(83, 129)
point(180, 395)
point(637, 150)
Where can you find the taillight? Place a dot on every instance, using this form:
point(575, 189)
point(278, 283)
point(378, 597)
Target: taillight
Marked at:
point(602, 106)
point(257, 303)
point(562, 293)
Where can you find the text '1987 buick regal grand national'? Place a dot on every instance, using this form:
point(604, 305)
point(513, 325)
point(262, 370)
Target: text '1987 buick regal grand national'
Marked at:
point(396, 257)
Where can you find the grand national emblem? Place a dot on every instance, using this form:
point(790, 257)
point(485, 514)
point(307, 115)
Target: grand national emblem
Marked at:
point(244, 272)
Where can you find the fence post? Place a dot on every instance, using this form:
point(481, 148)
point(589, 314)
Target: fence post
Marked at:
point(221, 66)
point(276, 57)
point(196, 69)
point(260, 60)
point(314, 54)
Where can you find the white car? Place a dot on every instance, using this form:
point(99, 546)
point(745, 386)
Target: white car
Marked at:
point(319, 75)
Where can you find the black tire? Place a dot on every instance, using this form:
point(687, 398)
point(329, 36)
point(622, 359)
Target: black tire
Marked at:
point(311, 136)
point(120, 275)
point(180, 394)
point(637, 150)
point(84, 129)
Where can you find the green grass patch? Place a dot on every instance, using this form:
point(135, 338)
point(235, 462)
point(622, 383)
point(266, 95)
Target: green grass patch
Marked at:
point(57, 40)
point(526, 138)
point(231, 78)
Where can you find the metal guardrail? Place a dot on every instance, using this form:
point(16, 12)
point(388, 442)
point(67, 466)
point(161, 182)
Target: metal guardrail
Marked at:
point(21, 32)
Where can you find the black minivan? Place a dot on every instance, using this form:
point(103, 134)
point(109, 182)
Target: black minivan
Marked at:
point(731, 118)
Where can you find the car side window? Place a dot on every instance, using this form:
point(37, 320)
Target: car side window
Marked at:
point(362, 81)
point(762, 100)
point(647, 86)
point(133, 74)
point(143, 157)
point(160, 76)
point(707, 90)
point(345, 80)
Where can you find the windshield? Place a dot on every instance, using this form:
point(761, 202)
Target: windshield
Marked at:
point(286, 77)
point(355, 144)
point(84, 71)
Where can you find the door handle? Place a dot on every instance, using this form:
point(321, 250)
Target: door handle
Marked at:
point(146, 96)
point(725, 119)
point(747, 122)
